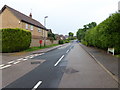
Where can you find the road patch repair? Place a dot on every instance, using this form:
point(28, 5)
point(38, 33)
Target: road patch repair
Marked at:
point(37, 61)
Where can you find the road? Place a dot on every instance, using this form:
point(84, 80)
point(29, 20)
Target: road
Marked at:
point(66, 67)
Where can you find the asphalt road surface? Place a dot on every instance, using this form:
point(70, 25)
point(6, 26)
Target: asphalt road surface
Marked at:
point(51, 73)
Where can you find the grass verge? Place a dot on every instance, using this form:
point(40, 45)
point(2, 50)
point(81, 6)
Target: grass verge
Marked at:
point(38, 48)
point(118, 56)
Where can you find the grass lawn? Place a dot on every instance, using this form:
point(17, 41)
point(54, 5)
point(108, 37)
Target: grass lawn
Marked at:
point(38, 48)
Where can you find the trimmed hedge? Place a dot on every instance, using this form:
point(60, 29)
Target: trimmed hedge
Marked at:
point(61, 41)
point(14, 40)
point(106, 34)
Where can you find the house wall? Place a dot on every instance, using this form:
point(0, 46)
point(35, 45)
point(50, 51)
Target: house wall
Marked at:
point(8, 20)
point(35, 42)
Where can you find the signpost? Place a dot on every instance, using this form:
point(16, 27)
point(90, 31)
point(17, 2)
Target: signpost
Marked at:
point(112, 50)
point(40, 43)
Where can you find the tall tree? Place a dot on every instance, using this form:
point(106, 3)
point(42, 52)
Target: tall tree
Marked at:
point(71, 34)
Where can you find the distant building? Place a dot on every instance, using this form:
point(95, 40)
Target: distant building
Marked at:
point(57, 37)
point(62, 37)
point(66, 36)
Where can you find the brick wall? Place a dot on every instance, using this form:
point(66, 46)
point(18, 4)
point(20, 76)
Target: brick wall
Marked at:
point(35, 42)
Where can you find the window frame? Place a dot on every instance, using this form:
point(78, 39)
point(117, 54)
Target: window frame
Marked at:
point(26, 26)
point(31, 27)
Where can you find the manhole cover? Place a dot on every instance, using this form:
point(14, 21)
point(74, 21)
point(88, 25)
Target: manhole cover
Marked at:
point(70, 71)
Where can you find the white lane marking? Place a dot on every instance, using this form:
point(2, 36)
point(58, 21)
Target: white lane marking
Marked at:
point(36, 54)
point(25, 59)
point(16, 62)
point(32, 57)
point(27, 56)
point(67, 51)
point(36, 86)
point(5, 66)
point(11, 62)
point(20, 59)
point(59, 60)
point(2, 65)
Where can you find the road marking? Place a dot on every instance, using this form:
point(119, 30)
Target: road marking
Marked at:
point(32, 57)
point(24, 59)
point(27, 56)
point(2, 65)
point(67, 51)
point(36, 86)
point(20, 59)
point(59, 60)
point(5, 66)
point(11, 62)
point(16, 62)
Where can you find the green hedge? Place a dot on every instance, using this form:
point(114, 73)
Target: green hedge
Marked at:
point(61, 41)
point(106, 34)
point(14, 40)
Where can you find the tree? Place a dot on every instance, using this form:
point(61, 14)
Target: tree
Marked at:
point(71, 34)
point(81, 32)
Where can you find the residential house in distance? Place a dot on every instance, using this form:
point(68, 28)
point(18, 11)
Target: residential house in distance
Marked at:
point(11, 18)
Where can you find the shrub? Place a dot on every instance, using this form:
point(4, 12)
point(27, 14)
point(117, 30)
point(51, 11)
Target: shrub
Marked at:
point(14, 40)
point(61, 42)
point(106, 34)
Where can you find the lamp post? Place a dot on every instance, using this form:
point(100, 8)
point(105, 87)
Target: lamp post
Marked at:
point(44, 30)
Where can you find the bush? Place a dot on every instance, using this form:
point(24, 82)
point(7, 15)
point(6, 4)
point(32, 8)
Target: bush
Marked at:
point(61, 42)
point(106, 34)
point(14, 40)
point(67, 41)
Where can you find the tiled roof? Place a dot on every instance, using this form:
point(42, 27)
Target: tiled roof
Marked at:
point(23, 17)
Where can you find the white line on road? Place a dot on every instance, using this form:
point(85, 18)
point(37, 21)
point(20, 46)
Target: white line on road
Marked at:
point(36, 86)
point(59, 60)
point(67, 51)
point(20, 59)
point(2, 65)
point(11, 62)
point(16, 62)
point(5, 66)
point(24, 59)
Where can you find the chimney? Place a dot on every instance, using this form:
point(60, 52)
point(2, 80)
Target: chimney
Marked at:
point(30, 15)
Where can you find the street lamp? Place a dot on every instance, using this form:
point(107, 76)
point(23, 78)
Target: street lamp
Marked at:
point(44, 30)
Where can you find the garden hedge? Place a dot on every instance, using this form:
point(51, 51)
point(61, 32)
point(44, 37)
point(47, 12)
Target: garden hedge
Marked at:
point(106, 34)
point(14, 40)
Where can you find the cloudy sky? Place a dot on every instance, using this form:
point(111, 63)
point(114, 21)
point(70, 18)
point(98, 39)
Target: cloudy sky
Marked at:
point(65, 16)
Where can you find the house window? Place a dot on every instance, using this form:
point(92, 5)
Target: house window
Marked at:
point(39, 30)
point(31, 27)
point(26, 26)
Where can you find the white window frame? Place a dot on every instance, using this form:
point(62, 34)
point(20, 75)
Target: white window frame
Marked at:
point(31, 27)
point(26, 26)
point(39, 30)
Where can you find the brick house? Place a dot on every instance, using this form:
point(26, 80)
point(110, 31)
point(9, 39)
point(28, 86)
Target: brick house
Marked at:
point(11, 18)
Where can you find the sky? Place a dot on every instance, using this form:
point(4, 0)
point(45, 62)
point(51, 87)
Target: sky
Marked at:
point(65, 16)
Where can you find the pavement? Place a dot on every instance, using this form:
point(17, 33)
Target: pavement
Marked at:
point(83, 71)
point(105, 60)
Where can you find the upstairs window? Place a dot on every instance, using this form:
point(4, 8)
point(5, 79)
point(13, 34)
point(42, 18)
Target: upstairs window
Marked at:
point(26, 26)
point(31, 27)
point(39, 30)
